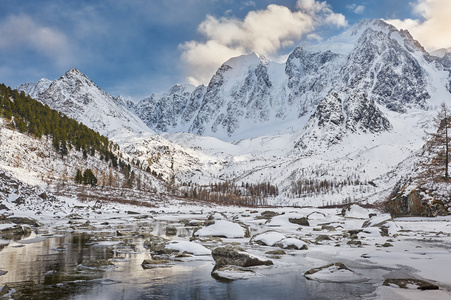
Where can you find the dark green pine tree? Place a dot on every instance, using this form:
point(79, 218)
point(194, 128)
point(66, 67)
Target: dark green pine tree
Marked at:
point(89, 178)
point(79, 177)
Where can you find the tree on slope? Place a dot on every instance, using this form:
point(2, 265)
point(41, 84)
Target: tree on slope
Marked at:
point(438, 146)
point(89, 178)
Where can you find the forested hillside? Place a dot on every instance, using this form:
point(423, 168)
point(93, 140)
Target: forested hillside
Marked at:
point(30, 116)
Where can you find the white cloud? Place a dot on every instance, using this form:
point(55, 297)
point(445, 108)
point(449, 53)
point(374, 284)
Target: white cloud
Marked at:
point(203, 58)
point(357, 9)
point(264, 31)
point(249, 3)
point(22, 31)
point(433, 29)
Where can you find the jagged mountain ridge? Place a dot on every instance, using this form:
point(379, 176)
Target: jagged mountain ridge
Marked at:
point(250, 96)
point(78, 97)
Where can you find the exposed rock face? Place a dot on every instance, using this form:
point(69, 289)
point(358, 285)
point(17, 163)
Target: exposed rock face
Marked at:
point(414, 201)
point(384, 64)
point(342, 113)
point(230, 255)
point(172, 109)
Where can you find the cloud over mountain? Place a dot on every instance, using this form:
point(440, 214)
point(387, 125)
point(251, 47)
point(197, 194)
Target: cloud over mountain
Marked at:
point(263, 31)
point(432, 26)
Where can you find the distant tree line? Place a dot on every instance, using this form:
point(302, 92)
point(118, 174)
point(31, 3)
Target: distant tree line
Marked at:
point(308, 187)
point(228, 193)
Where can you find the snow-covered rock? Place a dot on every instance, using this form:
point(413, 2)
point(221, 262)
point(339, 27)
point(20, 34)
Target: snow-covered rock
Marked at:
point(189, 247)
point(269, 238)
point(222, 228)
point(336, 272)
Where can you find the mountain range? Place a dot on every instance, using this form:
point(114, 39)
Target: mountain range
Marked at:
point(348, 109)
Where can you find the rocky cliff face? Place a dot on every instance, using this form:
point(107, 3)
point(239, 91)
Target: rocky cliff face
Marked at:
point(339, 114)
point(251, 96)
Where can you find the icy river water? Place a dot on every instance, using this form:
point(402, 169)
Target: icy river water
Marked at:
point(100, 255)
point(51, 267)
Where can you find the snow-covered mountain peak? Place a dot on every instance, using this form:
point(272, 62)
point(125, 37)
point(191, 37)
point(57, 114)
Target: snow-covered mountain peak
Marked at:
point(250, 96)
point(78, 97)
point(33, 89)
point(74, 72)
point(346, 42)
point(244, 60)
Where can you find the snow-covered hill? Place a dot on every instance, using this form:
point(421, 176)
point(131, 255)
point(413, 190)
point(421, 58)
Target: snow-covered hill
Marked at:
point(35, 162)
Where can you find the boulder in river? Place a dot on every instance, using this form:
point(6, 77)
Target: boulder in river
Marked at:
point(335, 272)
point(232, 255)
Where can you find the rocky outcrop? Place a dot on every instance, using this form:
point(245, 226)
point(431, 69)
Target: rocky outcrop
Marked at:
point(25, 220)
point(414, 201)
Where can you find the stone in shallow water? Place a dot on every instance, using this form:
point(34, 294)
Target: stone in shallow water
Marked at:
point(231, 255)
point(335, 272)
point(230, 273)
point(155, 263)
point(97, 264)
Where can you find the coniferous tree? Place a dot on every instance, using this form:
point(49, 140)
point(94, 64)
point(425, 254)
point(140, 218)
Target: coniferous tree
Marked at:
point(89, 178)
point(78, 177)
point(437, 148)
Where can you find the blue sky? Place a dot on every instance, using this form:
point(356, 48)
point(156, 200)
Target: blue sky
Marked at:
point(137, 47)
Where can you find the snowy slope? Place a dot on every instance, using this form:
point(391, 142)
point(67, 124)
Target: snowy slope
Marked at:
point(35, 162)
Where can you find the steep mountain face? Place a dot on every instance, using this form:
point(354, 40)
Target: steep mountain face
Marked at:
point(385, 62)
point(338, 114)
point(76, 96)
point(171, 110)
point(250, 96)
